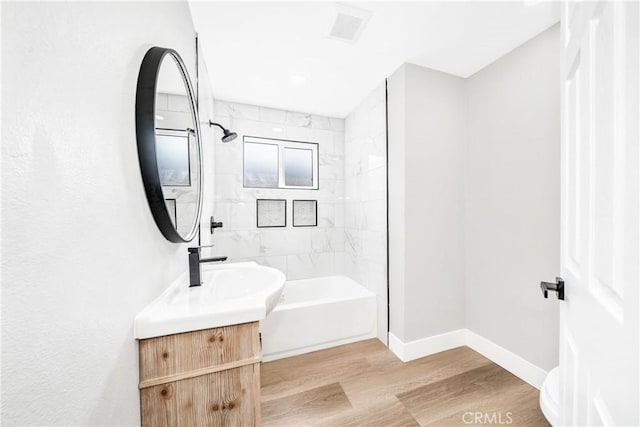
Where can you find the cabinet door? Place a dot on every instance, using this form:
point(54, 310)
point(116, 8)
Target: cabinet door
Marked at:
point(225, 398)
point(178, 354)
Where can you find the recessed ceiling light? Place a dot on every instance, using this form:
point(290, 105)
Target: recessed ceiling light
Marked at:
point(298, 80)
point(159, 117)
point(277, 129)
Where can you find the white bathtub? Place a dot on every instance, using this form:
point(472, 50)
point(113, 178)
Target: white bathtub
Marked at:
point(318, 313)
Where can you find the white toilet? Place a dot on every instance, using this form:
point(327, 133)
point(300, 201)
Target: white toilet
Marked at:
point(550, 397)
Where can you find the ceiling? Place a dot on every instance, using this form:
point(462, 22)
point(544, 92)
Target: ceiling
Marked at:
point(279, 54)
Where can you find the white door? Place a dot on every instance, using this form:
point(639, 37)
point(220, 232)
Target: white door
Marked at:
point(600, 184)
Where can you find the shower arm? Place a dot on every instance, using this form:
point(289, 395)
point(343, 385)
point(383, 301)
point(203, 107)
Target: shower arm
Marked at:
point(211, 123)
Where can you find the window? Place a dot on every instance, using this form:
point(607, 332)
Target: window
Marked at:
point(275, 163)
point(172, 155)
point(298, 167)
point(260, 165)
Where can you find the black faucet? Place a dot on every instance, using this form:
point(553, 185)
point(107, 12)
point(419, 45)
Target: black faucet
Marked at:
point(194, 265)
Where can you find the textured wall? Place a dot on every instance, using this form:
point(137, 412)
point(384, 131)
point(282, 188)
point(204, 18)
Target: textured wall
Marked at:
point(81, 252)
point(513, 201)
point(366, 199)
point(300, 252)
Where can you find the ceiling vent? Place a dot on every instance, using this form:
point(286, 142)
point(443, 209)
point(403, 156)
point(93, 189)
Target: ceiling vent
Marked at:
point(349, 23)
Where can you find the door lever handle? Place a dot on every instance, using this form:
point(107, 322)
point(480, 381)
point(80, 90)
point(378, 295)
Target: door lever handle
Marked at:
point(557, 287)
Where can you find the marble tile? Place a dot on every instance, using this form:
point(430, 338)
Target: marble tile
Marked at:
point(271, 115)
point(299, 119)
point(327, 240)
point(225, 121)
point(173, 119)
point(304, 266)
point(228, 159)
point(298, 133)
point(374, 246)
point(354, 268)
point(228, 187)
point(237, 111)
point(236, 244)
point(222, 212)
point(286, 241)
point(353, 242)
point(320, 122)
point(353, 160)
point(338, 143)
point(377, 179)
point(243, 215)
point(365, 207)
point(337, 239)
point(380, 143)
point(277, 262)
point(161, 101)
point(376, 215)
point(324, 138)
point(354, 214)
point(339, 262)
point(327, 190)
point(339, 212)
point(336, 124)
point(178, 103)
point(377, 277)
point(326, 215)
point(283, 248)
point(377, 119)
point(244, 127)
point(331, 166)
point(338, 190)
point(373, 157)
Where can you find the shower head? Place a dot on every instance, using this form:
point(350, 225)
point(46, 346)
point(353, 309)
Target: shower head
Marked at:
point(228, 135)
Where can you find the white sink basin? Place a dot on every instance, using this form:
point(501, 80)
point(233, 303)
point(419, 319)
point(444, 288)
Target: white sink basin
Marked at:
point(230, 294)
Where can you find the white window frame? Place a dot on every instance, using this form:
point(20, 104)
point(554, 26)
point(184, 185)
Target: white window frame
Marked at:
point(282, 144)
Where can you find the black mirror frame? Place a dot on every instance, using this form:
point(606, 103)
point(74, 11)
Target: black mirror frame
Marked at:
point(146, 136)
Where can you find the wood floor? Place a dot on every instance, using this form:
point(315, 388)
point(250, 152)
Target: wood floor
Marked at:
point(364, 384)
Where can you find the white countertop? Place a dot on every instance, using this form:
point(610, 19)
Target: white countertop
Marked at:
point(230, 294)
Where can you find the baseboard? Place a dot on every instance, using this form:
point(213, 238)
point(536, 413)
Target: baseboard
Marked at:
point(510, 361)
point(426, 346)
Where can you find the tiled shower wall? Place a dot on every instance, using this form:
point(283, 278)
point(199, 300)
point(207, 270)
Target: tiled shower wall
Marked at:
point(300, 252)
point(366, 199)
point(175, 112)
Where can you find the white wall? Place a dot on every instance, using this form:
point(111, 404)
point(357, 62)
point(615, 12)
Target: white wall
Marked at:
point(397, 231)
point(81, 252)
point(426, 169)
point(366, 199)
point(512, 203)
point(300, 252)
point(474, 203)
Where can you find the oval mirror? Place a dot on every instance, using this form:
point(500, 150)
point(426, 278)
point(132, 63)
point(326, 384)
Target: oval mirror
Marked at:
point(169, 147)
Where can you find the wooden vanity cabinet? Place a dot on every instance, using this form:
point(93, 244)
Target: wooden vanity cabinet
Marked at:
point(209, 377)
